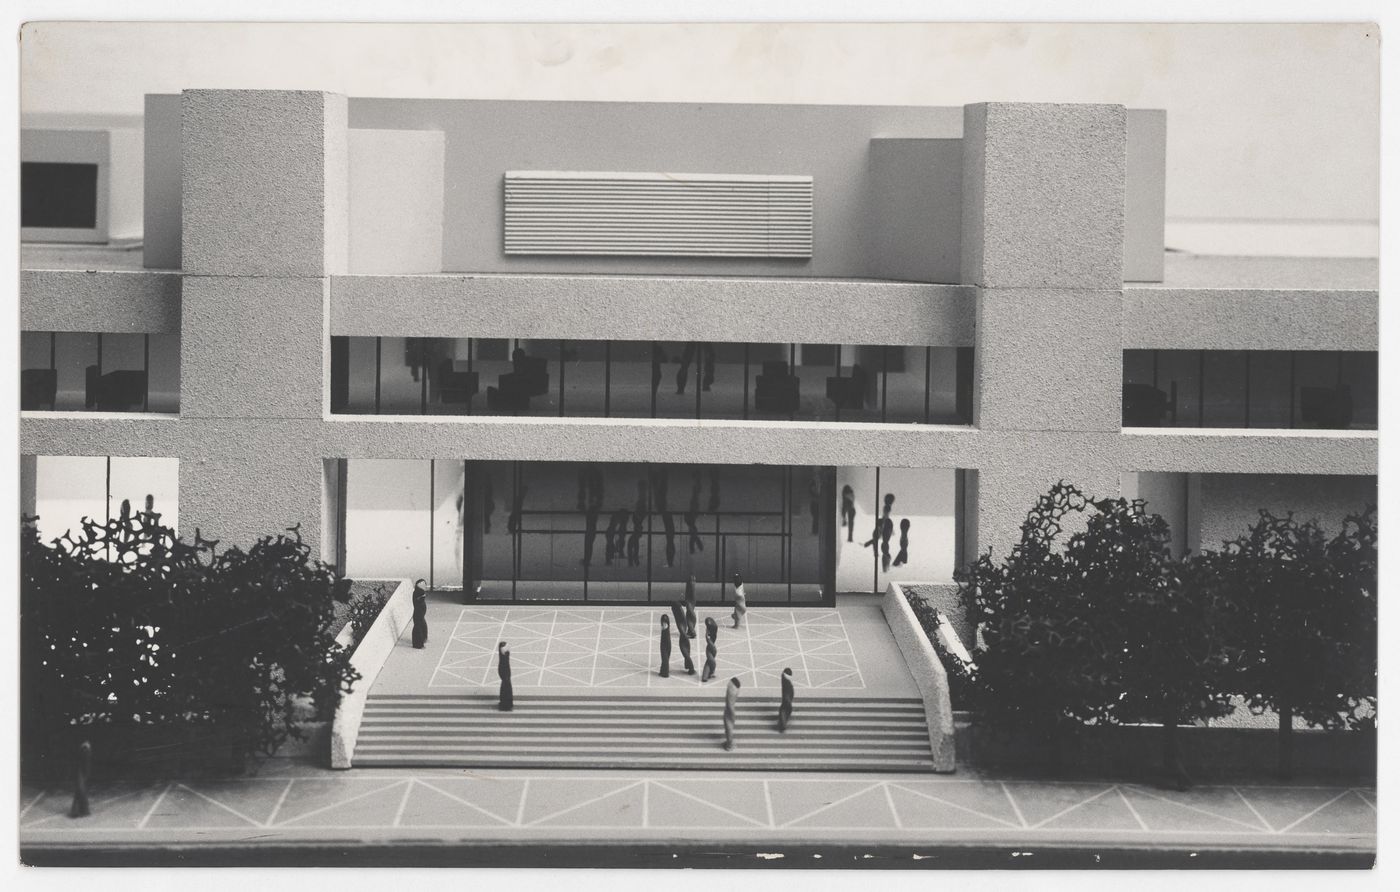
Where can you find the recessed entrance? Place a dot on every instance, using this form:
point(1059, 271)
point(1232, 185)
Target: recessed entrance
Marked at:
point(629, 533)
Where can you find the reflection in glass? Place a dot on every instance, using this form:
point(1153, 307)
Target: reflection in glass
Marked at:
point(1270, 389)
point(163, 373)
point(401, 377)
point(1360, 375)
point(651, 379)
point(75, 358)
point(906, 383)
point(1225, 394)
point(637, 532)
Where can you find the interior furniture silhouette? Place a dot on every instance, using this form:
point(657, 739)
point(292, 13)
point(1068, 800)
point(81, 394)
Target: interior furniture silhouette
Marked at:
point(38, 389)
point(119, 391)
point(776, 391)
point(514, 389)
point(456, 387)
point(1325, 407)
point(848, 392)
point(1147, 406)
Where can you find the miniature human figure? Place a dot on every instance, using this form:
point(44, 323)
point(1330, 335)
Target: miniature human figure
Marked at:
point(690, 607)
point(665, 646)
point(731, 699)
point(659, 485)
point(590, 502)
point(705, 369)
point(639, 516)
point(903, 556)
point(80, 807)
point(503, 670)
point(848, 512)
point(741, 601)
point(692, 515)
point(616, 536)
point(711, 647)
point(420, 615)
point(785, 706)
point(684, 643)
point(658, 356)
point(678, 611)
point(488, 506)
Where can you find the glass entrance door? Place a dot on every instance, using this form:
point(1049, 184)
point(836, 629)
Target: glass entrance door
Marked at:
point(632, 532)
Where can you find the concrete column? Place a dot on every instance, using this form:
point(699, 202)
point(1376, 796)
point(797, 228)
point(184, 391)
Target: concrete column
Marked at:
point(264, 224)
point(1042, 242)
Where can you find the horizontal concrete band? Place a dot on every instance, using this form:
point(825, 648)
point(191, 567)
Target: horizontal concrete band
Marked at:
point(824, 311)
point(83, 300)
point(1070, 454)
point(645, 307)
point(1250, 319)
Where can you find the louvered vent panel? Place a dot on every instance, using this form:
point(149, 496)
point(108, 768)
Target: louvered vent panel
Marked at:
point(658, 214)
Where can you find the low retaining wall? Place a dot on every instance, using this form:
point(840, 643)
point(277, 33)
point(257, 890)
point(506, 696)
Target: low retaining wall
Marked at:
point(369, 657)
point(929, 676)
point(1135, 751)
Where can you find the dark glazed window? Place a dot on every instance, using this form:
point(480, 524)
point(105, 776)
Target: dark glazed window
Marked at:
point(1225, 378)
point(58, 196)
point(99, 372)
point(651, 379)
point(1272, 389)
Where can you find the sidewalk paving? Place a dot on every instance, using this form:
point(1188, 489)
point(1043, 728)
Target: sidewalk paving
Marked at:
point(297, 805)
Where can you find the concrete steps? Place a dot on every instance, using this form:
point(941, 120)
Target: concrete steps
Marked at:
point(826, 734)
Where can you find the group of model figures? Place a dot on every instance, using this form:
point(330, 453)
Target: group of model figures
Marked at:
point(684, 613)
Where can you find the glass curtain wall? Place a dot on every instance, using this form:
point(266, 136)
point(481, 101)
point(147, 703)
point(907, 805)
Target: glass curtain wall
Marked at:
point(651, 379)
point(99, 372)
point(1326, 389)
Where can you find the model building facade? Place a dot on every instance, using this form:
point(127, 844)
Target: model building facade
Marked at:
point(569, 351)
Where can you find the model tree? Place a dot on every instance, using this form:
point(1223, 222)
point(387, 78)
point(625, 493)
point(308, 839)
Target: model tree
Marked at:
point(127, 626)
point(1165, 629)
point(1043, 667)
point(1306, 622)
point(1099, 629)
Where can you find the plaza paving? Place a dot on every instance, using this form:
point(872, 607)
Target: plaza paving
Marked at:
point(847, 651)
point(291, 804)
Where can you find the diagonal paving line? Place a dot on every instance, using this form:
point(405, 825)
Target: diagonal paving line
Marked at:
point(670, 789)
point(830, 805)
point(1137, 817)
point(278, 806)
point(524, 794)
point(1290, 826)
point(596, 799)
point(889, 800)
point(436, 789)
point(357, 796)
point(154, 805)
point(229, 809)
point(1143, 791)
point(403, 803)
point(971, 811)
point(1062, 812)
point(1267, 826)
point(33, 802)
point(1015, 807)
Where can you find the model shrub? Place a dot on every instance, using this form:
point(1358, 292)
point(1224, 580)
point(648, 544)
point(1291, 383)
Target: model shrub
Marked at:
point(1044, 666)
point(1096, 629)
point(1306, 621)
point(365, 609)
point(125, 626)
